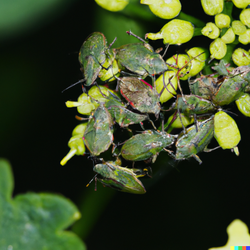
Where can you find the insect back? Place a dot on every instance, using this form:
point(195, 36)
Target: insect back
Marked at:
point(140, 95)
point(191, 143)
point(121, 115)
point(120, 178)
point(146, 145)
point(232, 88)
point(96, 59)
point(98, 135)
point(141, 59)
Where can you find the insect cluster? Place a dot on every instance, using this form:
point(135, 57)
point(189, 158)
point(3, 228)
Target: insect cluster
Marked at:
point(128, 100)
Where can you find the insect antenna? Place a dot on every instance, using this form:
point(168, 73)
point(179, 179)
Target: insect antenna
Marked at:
point(74, 84)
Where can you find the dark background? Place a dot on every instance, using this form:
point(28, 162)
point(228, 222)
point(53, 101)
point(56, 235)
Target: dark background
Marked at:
point(186, 206)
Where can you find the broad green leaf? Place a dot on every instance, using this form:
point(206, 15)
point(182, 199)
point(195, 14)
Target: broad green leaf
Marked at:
point(35, 221)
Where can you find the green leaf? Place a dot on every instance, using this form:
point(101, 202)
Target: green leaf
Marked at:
point(35, 221)
point(17, 16)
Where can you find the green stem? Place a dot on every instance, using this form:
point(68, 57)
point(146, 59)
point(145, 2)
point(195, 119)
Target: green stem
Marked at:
point(195, 21)
point(91, 207)
point(197, 32)
point(140, 12)
point(228, 57)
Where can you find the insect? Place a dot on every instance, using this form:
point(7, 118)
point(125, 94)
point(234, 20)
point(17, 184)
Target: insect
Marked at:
point(140, 95)
point(231, 89)
point(97, 60)
point(98, 135)
point(191, 143)
point(141, 59)
point(121, 115)
point(222, 90)
point(120, 178)
point(192, 105)
point(146, 145)
point(92, 56)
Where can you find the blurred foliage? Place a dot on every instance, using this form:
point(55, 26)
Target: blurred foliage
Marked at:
point(17, 17)
point(34, 221)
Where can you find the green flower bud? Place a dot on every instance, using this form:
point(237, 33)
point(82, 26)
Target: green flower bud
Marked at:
point(212, 7)
point(241, 57)
point(178, 123)
point(77, 147)
point(226, 131)
point(198, 57)
point(112, 5)
point(243, 104)
point(108, 75)
point(229, 36)
point(211, 31)
point(241, 4)
point(218, 49)
point(245, 17)
point(171, 82)
point(79, 129)
point(84, 104)
point(245, 37)
point(164, 9)
point(174, 32)
point(222, 21)
point(180, 61)
point(238, 27)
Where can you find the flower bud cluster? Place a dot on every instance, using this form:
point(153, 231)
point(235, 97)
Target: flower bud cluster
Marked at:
point(224, 30)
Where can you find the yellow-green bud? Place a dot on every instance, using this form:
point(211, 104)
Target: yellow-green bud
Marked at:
point(211, 31)
point(243, 104)
point(198, 57)
point(212, 7)
point(112, 5)
point(226, 131)
point(241, 4)
point(79, 129)
point(238, 27)
point(174, 32)
point(181, 61)
point(87, 104)
point(164, 9)
point(100, 96)
point(171, 82)
point(179, 123)
point(245, 37)
point(218, 49)
point(77, 147)
point(241, 57)
point(245, 17)
point(222, 21)
point(84, 104)
point(229, 36)
point(113, 69)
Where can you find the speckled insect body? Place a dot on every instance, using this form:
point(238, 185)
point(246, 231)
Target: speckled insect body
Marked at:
point(231, 89)
point(140, 95)
point(98, 135)
point(122, 115)
point(92, 55)
point(146, 145)
point(193, 105)
point(190, 144)
point(120, 178)
point(141, 59)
